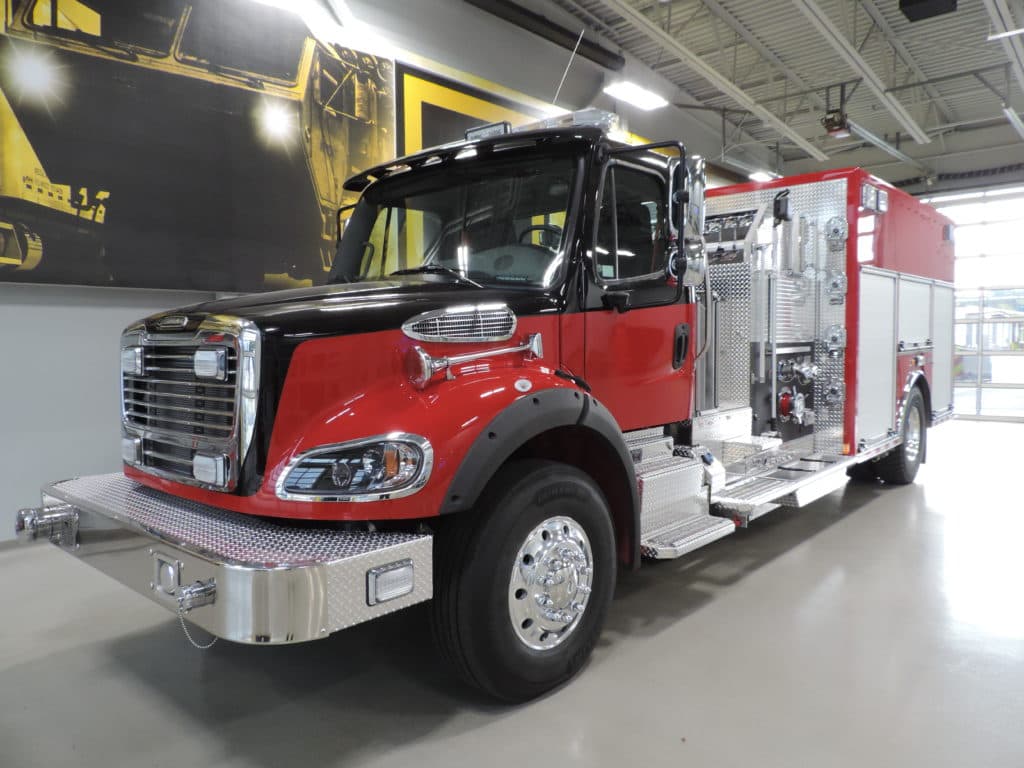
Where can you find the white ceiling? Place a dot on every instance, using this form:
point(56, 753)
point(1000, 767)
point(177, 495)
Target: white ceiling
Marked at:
point(791, 56)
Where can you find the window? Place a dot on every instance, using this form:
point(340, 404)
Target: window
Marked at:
point(245, 37)
point(496, 222)
point(989, 331)
point(632, 225)
point(117, 24)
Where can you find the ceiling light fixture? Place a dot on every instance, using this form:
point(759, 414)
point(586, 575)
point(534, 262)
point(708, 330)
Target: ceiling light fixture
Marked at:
point(762, 176)
point(871, 138)
point(1007, 33)
point(1014, 118)
point(637, 96)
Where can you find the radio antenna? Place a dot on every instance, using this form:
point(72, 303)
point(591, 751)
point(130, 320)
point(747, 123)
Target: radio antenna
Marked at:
point(568, 64)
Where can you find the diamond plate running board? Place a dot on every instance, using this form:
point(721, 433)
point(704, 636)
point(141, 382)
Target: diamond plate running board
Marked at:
point(685, 536)
point(794, 484)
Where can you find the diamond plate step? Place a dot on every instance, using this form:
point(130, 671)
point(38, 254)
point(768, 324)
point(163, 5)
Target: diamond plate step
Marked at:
point(671, 489)
point(647, 444)
point(795, 484)
point(686, 536)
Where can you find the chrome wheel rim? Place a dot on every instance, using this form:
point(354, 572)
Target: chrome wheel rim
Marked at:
point(551, 583)
point(913, 437)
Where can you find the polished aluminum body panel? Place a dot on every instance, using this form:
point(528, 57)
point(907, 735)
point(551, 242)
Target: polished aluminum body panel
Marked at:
point(275, 583)
point(876, 361)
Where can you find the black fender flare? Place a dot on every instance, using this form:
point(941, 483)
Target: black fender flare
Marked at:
point(527, 418)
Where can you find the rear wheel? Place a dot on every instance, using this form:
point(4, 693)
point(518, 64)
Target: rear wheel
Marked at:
point(523, 581)
point(899, 467)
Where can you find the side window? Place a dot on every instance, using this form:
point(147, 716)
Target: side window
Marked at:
point(632, 225)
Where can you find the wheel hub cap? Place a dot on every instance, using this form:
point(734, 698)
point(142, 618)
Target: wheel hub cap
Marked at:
point(913, 434)
point(550, 583)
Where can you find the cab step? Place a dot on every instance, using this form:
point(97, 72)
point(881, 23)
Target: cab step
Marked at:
point(685, 536)
point(794, 483)
point(675, 515)
point(647, 444)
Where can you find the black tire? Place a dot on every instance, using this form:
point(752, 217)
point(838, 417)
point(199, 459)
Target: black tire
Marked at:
point(474, 555)
point(865, 472)
point(899, 466)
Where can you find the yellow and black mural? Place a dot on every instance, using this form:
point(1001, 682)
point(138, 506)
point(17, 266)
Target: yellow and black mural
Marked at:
point(197, 143)
point(179, 144)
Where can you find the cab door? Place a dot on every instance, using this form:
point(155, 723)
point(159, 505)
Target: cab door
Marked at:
point(638, 336)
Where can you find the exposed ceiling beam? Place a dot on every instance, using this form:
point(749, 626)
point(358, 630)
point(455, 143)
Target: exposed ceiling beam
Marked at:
point(948, 113)
point(763, 50)
point(1002, 20)
point(709, 73)
point(847, 51)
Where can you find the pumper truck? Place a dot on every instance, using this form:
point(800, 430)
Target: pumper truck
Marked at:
point(542, 355)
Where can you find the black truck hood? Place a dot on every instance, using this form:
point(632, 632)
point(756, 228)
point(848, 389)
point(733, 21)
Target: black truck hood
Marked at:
point(331, 310)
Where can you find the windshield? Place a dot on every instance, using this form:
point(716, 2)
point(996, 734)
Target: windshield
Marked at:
point(497, 222)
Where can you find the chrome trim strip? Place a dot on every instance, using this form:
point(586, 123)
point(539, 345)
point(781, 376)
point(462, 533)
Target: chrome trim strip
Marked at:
point(473, 312)
point(426, 449)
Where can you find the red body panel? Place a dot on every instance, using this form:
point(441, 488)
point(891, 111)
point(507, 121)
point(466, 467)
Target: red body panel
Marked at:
point(629, 365)
point(906, 364)
point(349, 387)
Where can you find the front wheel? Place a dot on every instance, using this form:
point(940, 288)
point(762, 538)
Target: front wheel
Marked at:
point(899, 467)
point(523, 581)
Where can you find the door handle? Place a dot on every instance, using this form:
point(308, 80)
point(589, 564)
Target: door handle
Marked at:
point(680, 345)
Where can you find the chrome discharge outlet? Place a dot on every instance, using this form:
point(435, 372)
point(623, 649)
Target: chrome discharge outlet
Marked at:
point(58, 524)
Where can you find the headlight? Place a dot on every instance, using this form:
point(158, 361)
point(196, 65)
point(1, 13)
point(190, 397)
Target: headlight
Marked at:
point(382, 467)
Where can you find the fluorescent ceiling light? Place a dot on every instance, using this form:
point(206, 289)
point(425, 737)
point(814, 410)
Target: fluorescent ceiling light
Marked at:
point(1015, 121)
point(762, 176)
point(633, 94)
point(863, 133)
point(1007, 33)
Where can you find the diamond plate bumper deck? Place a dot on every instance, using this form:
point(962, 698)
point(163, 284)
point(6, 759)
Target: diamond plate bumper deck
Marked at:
point(275, 582)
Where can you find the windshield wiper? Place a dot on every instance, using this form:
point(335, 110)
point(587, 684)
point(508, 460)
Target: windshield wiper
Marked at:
point(439, 270)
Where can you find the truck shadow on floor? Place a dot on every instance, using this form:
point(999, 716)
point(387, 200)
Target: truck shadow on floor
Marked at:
point(377, 686)
point(663, 592)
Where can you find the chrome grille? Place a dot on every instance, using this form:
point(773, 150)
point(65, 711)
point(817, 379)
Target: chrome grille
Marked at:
point(175, 410)
point(168, 397)
point(494, 322)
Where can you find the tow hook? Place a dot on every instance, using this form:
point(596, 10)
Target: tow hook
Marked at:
point(58, 523)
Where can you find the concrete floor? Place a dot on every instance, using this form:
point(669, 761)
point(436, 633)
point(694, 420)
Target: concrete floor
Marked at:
point(877, 627)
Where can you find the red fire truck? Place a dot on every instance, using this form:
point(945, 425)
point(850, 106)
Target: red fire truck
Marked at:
point(542, 355)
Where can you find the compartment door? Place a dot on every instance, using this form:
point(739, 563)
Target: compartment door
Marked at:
point(876, 356)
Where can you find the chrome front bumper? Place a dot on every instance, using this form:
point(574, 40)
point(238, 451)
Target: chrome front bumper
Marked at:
point(238, 577)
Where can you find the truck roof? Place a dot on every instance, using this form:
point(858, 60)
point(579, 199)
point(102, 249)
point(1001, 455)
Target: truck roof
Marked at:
point(447, 152)
point(588, 125)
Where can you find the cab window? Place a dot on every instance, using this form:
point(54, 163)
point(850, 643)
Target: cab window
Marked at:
point(116, 24)
point(632, 225)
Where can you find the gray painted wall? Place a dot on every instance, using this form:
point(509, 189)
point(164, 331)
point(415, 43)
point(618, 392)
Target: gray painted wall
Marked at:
point(59, 391)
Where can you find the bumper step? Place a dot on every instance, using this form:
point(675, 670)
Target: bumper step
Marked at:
point(274, 582)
